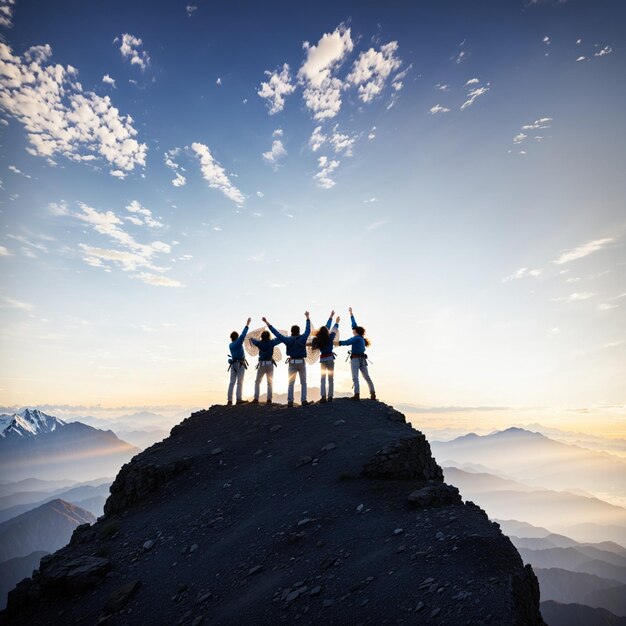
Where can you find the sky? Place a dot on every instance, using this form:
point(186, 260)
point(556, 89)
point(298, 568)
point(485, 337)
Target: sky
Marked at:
point(452, 170)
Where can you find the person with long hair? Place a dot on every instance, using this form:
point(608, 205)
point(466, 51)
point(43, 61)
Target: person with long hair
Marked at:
point(358, 358)
point(266, 365)
point(323, 341)
point(237, 363)
point(296, 353)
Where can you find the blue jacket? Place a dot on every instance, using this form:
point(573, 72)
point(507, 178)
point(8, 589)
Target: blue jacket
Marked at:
point(356, 341)
point(266, 348)
point(296, 346)
point(236, 347)
point(328, 348)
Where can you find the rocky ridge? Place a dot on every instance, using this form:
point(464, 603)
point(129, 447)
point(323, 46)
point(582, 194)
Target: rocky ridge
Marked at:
point(331, 513)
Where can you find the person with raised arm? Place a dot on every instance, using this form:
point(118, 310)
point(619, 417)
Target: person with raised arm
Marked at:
point(358, 358)
point(323, 341)
point(296, 353)
point(266, 365)
point(237, 363)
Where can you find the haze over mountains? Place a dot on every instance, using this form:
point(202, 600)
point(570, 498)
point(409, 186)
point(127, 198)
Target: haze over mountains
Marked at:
point(36, 445)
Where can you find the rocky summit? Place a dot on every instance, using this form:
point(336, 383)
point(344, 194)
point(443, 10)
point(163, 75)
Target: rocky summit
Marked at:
point(255, 514)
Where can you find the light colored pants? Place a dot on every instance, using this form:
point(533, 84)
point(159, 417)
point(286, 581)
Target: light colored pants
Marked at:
point(360, 365)
point(328, 371)
point(268, 372)
point(237, 371)
point(295, 369)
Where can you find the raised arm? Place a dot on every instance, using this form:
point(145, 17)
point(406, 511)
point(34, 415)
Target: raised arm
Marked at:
point(273, 330)
point(354, 324)
point(239, 341)
point(335, 329)
point(307, 328)
point(255, 342)
point(329, 323)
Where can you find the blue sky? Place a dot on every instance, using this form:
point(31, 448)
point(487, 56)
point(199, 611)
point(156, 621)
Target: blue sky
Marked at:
point(454, 171)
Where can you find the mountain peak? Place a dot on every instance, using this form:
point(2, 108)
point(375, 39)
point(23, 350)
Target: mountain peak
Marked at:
point(28, 423)
point(272, 513)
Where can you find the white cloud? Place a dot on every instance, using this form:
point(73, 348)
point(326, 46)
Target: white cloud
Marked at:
point(474, 92)
point(179, 181)
point(191, 9)
point(276, 152)
point(260, 194)
point(277, 87)
point(146, 216)
point(376, 225)
point(4, 251)
point(130, 49)
point(341, 142)
point(519, 138)
point(218, 82)
point(438, 108)
point(576, 297)
point(215, 174)
point(158, 280)
point(370, 200)
point(581, 58)
point(10, 303)
point(108, 80)
point(582, 250)
point(322, 92)
point(325, 169)
point(521, 273)
point(603, 52)
point(58, 208)
point(546, 40)
point(62, 119)
point(317, 139)
point(15, 170)
point(6, 13)
point(461, 55)
point(372, 68)
point(543, 122)
point(606, 307)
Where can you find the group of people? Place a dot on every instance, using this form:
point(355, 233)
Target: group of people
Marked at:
point(296, 345)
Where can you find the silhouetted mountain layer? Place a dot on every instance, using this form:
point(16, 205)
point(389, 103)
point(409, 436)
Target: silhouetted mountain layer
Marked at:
point(534, 458)
point(331, 513)
point(74, 450)
point(564, 586)
point(14, 570)
point(556, 614)
point(48, 528)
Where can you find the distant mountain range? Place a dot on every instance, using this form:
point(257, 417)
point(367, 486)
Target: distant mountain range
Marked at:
point(14, 570)
point(535, 459)
point(36, 445)
point(558, 614)
point(46, 528)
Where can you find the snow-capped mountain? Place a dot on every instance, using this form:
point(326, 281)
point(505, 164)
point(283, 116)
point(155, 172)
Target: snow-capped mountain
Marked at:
point(28, 423)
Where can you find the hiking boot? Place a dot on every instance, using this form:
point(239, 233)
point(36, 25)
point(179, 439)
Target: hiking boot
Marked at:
point(229, 403)
point(323, 399)
point(268, 402)
point(289, 404)
point(373, 395)
point(356, 396)
point(330, 399)
point(255, 401)
point(242, 402)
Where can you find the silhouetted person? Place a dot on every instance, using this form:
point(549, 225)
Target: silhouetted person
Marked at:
point(323, 341)
point(358, 358)
point(266, 364)
point(296, 351)
point(237, 363)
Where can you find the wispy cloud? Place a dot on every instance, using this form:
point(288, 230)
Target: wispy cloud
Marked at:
point(179, 180)
point(4, 251)
point(276, 89)
point(376, 225)
point(191, 9)
point(438, 108)
point(325, 169)
point(474, 92)
point(372, 68)
point(130, 48)
point(215, 174)
point(575, 297)
point(61, 118)
point(277, 151)
point(11, 303)
point(521, 273)
point(107, 80)
point(583, 250)
point(603, 51)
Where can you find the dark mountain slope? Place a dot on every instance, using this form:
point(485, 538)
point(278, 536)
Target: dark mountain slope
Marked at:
point(255, 514)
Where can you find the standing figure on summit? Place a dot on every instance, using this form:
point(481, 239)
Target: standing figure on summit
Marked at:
point(358, 358)
point(323, 341)
point(237, 363)
point(266, 365)
point(296, 351)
